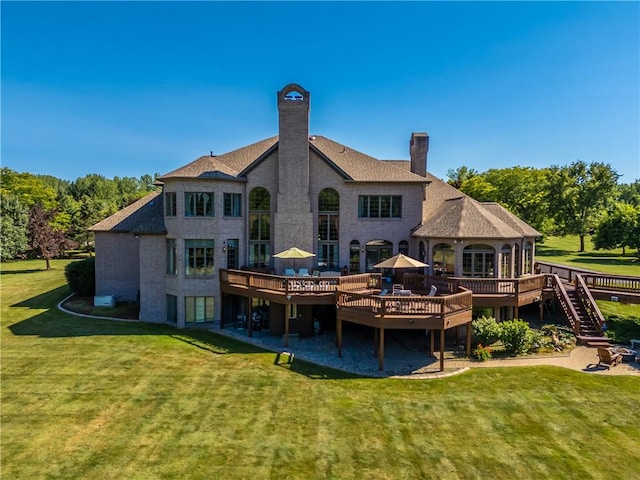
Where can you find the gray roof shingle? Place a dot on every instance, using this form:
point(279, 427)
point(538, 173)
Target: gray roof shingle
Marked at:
point(144, 216)
point(464, 217)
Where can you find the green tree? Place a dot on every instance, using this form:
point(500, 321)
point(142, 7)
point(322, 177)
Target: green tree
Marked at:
point(620, 228)
point(457, 177)
point(14, 221)
point(578, 195)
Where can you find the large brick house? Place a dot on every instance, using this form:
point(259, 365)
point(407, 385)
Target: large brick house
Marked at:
point(236, 210)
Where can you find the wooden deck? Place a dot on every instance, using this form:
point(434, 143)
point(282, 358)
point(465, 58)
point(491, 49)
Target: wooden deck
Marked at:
point(357, 299)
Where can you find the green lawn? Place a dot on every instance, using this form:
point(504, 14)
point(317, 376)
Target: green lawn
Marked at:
point(564, 250)
point(95, 399)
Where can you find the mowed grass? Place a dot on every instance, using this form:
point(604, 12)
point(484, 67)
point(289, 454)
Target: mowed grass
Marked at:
point(565, 251)
point(97, 399)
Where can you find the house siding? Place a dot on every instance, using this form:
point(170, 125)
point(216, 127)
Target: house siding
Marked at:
point(117, 265)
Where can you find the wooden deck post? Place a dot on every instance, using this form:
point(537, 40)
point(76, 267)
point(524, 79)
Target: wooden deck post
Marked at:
point(442, 350)
point(339, 335)
point(248, 317)
point(286, 327)
point(381, 351)
point(469, 329)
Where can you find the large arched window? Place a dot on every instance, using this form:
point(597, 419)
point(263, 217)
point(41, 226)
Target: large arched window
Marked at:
point(528, 258)
point(443, 259)
point(505, 262)
point(259, 228)
point(479, 261)
point(328, 229)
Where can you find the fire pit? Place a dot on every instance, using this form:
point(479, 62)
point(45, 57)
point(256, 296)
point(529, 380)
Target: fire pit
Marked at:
point(628, 355)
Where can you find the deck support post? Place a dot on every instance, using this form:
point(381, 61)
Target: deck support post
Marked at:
point(381, 351)
point(248, 317)
point(442, 350)
point(286, 327)
point(469, 339)
point(339, 335)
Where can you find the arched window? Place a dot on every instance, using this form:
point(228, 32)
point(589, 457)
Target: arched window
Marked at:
point(259, 227)
point(403, 247)
point(377, 251)
point(422, 253)
point(328, 229)
point(505, 262)
point(443, 259)
point(479, 261)
point(528, 258)
point(354, 257)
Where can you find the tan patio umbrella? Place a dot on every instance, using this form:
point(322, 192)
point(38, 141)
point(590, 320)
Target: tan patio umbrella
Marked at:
point(400, 261)
point(294, 253)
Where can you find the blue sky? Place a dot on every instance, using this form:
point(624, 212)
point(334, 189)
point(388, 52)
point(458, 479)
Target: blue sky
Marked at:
point(128, 88)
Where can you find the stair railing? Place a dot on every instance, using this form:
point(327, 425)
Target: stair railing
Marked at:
point(565, 302)
point(591, 307)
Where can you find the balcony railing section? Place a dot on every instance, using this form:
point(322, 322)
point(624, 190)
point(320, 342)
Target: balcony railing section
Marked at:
point(614, 283)
point(479, 286)
point(384, 305)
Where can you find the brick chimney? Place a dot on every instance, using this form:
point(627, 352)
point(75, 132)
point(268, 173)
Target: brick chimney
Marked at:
point(418, 148)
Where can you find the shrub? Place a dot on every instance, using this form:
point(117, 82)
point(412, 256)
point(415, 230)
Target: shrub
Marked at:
point(486, 330)
point(482, 353)
point(622, 329)
point(516, 336)
point(81, 277)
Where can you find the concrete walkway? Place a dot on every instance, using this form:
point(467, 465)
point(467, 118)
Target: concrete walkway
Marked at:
point(408, 356)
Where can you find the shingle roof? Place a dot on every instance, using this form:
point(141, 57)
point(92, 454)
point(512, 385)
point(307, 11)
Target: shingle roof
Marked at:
point(360, 167)
point(464, 217)
point(145, 216)
point(351, 164)
point(512, 220)
point(228, 165)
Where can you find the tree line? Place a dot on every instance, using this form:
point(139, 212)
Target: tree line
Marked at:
point(578, 199)
point(42, 216)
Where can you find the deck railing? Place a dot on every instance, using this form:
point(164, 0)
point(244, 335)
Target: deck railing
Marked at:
point(591, 307)
point(479, 286)
point(406, 305)
point(565, 272)
point(613, 283)
point(292, 285)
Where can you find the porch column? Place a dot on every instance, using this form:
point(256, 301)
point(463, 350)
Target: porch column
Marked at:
point(339, 335)
point(381, 351)
point(442, 350)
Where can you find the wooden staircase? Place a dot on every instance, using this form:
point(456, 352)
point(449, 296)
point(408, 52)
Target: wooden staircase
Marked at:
point(589, 334)
point(581, 310)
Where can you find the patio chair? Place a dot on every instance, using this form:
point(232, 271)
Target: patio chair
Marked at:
point(303, 272)
point(396, 287)
point(384, 292)
point(289, 272)
point(608, 358)
point(433, 291)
